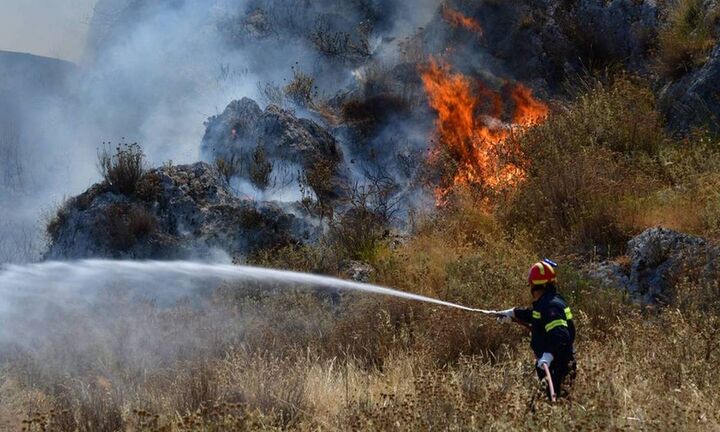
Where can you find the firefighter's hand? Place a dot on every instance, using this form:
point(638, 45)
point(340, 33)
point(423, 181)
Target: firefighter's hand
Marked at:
point(506, 316)
point(546, 358)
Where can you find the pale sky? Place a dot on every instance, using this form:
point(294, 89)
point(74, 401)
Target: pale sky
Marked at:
point(52, 28)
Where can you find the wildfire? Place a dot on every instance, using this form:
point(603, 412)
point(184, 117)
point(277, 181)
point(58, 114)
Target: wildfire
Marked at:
point(470, 131)
point(457, 19)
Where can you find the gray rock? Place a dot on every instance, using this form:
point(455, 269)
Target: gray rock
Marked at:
point(543, 42)
point(622, 29)
point(358, 271)
point(177, 212)
point(694, 100)
point(284, 139)
point(608, 273)
point(660, 258)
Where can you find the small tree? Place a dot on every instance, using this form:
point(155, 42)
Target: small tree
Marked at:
point(228, 167)
point(317, 181)
point(122, 169)
point(301, 90)
point(260, 169)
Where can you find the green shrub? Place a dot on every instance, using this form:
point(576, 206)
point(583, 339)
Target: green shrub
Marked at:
point(619, 113)
point(358, 234)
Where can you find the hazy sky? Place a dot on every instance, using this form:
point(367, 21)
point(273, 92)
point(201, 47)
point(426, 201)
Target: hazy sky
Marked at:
point(54, 28)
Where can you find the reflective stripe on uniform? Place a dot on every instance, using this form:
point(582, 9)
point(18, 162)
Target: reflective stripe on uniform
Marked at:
point(536, 314)
point(568, 313)
point(557, 323)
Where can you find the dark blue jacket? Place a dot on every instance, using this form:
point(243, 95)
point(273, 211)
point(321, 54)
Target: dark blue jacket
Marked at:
point(552, 325)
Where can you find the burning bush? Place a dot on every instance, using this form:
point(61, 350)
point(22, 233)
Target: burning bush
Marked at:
point(473, 127)
point(123, 168)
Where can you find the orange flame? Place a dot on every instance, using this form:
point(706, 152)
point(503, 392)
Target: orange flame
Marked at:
point(528, 110)
point(457, 19)
point(469, 130)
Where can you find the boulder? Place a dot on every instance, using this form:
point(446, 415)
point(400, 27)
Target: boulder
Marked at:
point(286, 142)
point(622, 29)
point(609, 274)
point(176, 212)
point(659, 259)
point(543, 42)
point(358, 271)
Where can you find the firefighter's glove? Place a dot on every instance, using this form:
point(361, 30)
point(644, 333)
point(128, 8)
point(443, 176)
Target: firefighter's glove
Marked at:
point(506, 316)
point(546, 358)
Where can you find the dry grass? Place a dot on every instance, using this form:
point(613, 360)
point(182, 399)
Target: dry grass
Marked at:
point(595, 178)
point(688, 36)
point(633, 375)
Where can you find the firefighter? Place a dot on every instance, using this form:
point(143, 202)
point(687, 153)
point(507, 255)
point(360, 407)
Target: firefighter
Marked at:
point(551, 323)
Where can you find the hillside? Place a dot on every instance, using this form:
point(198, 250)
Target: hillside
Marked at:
point(437, 148)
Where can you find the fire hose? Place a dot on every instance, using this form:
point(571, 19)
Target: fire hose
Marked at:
point(548, 377)
point(545, 367)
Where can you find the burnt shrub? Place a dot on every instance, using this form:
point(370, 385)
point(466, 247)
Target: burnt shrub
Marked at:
point(228, 167)
point(371, 113)
point(125, 224)
point(56, 220)
point(148, 187)
point(301, 90)
point(260, 169)
point(316, 186)
point(123, 168)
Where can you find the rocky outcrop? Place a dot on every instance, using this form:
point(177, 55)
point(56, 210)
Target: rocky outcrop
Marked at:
point(176, 212)
point(542, 42)
point(621, 29)
point(694, 100)
point(659, 258)
point(248, 136)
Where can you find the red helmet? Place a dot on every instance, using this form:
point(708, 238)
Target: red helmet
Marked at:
point(541, 273)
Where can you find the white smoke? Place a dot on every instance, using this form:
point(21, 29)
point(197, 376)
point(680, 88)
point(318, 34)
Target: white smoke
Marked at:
point(154, 72)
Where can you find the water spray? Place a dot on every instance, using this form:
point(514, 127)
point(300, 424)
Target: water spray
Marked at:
point(78, 276)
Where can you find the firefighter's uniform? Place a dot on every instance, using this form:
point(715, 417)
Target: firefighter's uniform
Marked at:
point(553, 331)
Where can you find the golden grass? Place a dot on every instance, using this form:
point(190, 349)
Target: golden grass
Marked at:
point(641, 378)
point(264, 359)
point(688, 36)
